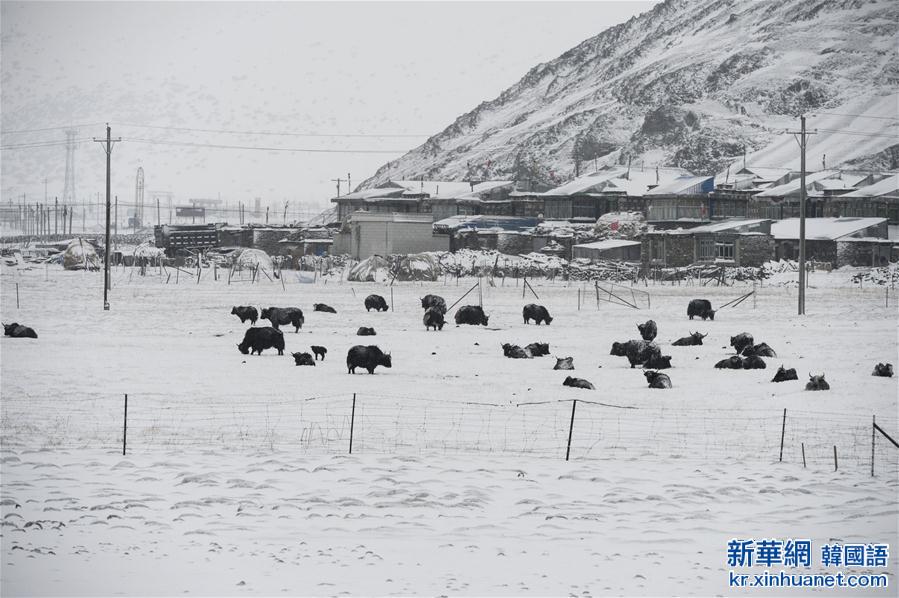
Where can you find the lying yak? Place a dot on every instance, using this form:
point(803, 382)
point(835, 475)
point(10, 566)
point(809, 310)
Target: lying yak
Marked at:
point(365, 331)
point(701, 308)
point(535, 312)
point(695, 338)
point(577, 383)
point(754, 362)
point(256, 340)
point(375, 302)
point(279, 316)
point(16, 330)
point(515, 352)
point(741, 341)
point(324, 308)
point(761, 349)
point(657, 380)
point(564, 363)
point(368, 358)
point(657, 362)
point(435, 301)
point(734, 362)
point(883, 369)
point(648, 331)
point(538, 349)
point(245, 312)
point(817, 383)
point(319, 351)
point(471, 314)
point(433, 318)
point(783, 375)
point(637, 352)
point(303, 359)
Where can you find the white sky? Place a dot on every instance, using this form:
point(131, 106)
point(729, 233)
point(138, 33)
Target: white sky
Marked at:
point(337, 68)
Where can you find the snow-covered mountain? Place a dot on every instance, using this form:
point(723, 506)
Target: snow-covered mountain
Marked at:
point(693, 84)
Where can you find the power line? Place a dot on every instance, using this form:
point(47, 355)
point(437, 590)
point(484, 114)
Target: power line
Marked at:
point(49, 129)
point(41, 144)
point(861, 133)
point(856, 115)
point(276, 133)
point(262, 148)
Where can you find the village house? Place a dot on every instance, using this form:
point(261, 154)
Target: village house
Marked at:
point(683, 201)
point(736, 242)
point(622, 250)
point(368, 234)
point(841, 242)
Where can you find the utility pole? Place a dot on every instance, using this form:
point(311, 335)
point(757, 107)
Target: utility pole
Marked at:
point(802, 201)
point(338, 181)
point(116, 217)
point(349, 184)
point(109, 141)
point(55, 215)
point(286, 203)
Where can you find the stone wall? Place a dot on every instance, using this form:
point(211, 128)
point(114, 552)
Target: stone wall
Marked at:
point(862, 253)
point(754, 250)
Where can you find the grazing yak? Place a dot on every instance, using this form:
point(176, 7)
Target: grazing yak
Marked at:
point(471, 314)
point(658, 362)
point(319, 351)
point(375, 302)
point(433, 318)
point(255, 340)
point(368, 358)
point(577, 383)
point(657, 380)
point(695, 338)
point(761, 349)
point(817, 383)
point(648, 331)
point(701, 308)
point(535, 312)
point(734, 362)
point(754, 362)
point(435, 301)
point(538, 349)
point(783, 375)
point(515, 352)
point(324, 308)
point(16, 330)
point(364, 331)
point(564, 363)
point(279, 316)
point(245, 312)
point(637, 352)
point(303, 359)
point(884, 370)
point(741, 341)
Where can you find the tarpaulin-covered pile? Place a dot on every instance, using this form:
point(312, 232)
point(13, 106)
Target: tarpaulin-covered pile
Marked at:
point(373, 269)
point(80, 255)
point(418, 266)
point(250, 259)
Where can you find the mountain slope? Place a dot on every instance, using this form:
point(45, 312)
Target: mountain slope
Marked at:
point(691, 84)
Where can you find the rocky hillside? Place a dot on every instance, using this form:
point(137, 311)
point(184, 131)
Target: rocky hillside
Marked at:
point(693, 84)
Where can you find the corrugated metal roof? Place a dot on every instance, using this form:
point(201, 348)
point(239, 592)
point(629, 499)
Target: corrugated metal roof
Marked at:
point(888, 186)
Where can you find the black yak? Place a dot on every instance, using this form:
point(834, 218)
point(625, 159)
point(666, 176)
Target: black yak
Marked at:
point(535, 312)
point(245, 312)
point(695, 338)
point(741, 341)
point(734, 362)
point(564, 363)
point(16, 330)
point(433, 318)
point(637, 352)
point(279, 316)
point(761, 349)
point(368, 358)
point(435, 301)
point(658, 362)
point(375, 302)
point(303, 359)
point(701, 308)
point(471, 314)
point(754, 362)
point(319, 351)
point(648, 331)
point(365, 331)
point(255, 340)
point(324, 308)
point(515, 352)
point(883, 369)
point(817, 383)
point(657, 380)
point(783, 375)
point(577, 383)
point(538, 349)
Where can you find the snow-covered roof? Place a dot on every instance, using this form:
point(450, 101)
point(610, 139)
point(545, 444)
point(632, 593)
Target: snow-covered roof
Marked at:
point(888, 186)
point(725, 225)
point(432, 188)
point(368, 193)
point(472, 192)
point(792, 188)
point(608, 244)
point(685, 184)
point(826, 229)
point(618, 180)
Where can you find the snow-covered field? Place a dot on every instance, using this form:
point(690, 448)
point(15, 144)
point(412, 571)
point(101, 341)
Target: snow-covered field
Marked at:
point(237, 478)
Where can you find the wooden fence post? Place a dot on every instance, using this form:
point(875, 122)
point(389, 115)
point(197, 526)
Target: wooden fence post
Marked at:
point(570, 429)
point(873, 434)
point(125, 428)
point(391, 298)
point(803, 455)
point(17, 295)
point(783, 431)
point(352, 422)
point(834, 457)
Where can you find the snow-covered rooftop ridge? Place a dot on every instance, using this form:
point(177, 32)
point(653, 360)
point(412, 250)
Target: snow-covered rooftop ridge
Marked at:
point(888, 186)
point(683, 184)
point(634, 181)
point(827, 229)
point(608, 244)
point(793, 186)
point(725, 225)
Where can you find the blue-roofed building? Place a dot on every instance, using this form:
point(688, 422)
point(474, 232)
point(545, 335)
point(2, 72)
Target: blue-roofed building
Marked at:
point(683, 201)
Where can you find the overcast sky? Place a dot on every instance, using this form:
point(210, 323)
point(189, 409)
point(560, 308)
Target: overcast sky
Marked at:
point(299, 67)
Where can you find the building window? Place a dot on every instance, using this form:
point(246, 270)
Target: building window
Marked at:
point(706, 249)
point(724, 251)
point(657, 249)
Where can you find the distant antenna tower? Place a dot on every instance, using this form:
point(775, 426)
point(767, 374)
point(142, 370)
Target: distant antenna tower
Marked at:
point(68, 192)
point(139, 198)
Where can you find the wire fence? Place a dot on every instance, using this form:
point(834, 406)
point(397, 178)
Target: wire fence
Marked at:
point(403, 425)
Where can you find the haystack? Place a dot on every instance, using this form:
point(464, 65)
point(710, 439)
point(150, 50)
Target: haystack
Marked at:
point(373, 269)
point(250, 259)
point(418, 266)
point(80, 255)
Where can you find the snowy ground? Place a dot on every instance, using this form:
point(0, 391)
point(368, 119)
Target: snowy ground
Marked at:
point(237, 478)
